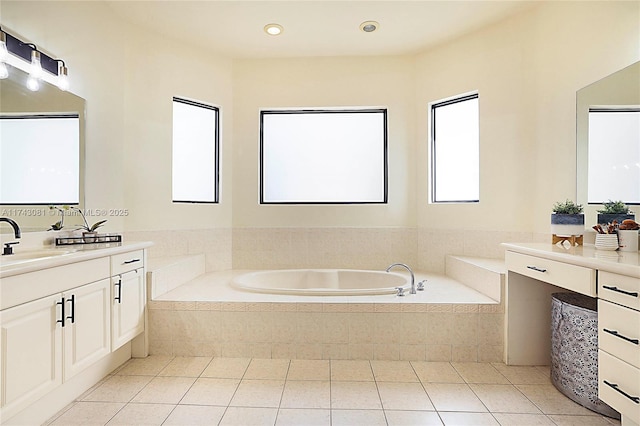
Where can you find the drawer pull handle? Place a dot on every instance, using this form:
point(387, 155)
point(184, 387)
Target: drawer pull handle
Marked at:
point(615, 333)
point(126, 262)
point(535, 268)
point(628, 293)
point(119, 285)
point(72, 317)
point(62, 317)
point(615, 387)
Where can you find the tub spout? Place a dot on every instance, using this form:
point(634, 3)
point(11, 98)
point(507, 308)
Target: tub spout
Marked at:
point(413, 282)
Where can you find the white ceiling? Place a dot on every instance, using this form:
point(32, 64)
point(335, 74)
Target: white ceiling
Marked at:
point(315, 28)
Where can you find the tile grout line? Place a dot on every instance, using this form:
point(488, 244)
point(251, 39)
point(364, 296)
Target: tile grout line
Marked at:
point(284, 385)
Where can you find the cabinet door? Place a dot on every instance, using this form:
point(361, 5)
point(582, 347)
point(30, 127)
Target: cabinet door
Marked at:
point(128, 301)
point(87, 333)
point(31, 352)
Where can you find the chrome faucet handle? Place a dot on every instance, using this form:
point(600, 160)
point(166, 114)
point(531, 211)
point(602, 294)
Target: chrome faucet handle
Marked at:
point(8, 249)
point(420, 286)
point(400, 291)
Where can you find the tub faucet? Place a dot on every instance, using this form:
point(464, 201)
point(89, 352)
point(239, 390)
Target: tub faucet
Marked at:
point(413, 282)
point(16, 228)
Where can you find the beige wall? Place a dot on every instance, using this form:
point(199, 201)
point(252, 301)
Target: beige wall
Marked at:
point(526, 69)
point(324, 82)
point(128, 77)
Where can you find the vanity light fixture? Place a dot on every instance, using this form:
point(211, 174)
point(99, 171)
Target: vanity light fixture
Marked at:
point(369, 26)
point(27, 57)
point(273, 29)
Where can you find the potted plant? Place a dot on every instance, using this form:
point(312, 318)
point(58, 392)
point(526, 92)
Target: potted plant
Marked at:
point(89, 233)
point(614, 210)
point(59, 224)
point(567, 219)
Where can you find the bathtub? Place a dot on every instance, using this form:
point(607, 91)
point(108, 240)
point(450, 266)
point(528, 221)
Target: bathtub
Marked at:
point(321, 282)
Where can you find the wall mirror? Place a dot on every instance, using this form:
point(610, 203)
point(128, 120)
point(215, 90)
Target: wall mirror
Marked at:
point(608, 140)
point(42, 142)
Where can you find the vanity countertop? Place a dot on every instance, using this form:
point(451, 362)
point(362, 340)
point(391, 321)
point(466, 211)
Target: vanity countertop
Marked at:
point(70, 254)
point(625, 263)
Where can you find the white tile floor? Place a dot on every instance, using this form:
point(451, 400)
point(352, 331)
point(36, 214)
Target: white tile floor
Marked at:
point(163, 390)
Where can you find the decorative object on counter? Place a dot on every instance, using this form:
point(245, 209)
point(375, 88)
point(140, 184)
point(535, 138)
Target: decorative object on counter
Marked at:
point(567, 223)
point(59, 224)
point(607, 242)
point(99, 239)
point(628, 235)
point(614, 211)
point(606, 237)
point(89, 233)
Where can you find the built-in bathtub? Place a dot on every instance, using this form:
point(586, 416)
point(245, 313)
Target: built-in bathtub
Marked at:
point(321, 282)
point(211, 316)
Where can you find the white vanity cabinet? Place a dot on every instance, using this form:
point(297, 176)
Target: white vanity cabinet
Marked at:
point(128, 297)
point(31, 355)
point(619, 343)
point(87, 329)
point(37, 353)
point(64, 323)
point(537, 270)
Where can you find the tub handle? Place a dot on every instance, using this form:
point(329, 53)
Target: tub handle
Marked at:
point(421, 285)
point(400, 291)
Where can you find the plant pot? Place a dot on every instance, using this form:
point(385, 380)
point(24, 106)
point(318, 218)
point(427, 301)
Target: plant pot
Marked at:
point(606, 242)
point(605, 218)
point(628, 239)
point(567, 225)
point(89, 237)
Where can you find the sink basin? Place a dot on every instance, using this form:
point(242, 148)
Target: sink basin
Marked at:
point(31, 255)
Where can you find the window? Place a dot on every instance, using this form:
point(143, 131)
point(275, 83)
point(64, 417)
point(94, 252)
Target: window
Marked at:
point(195, 166)
point(323, 156)
point(614, 155)
point(455, 150)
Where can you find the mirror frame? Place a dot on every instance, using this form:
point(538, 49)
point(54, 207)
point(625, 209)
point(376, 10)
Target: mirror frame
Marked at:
point(50, 100)
point(621, 88)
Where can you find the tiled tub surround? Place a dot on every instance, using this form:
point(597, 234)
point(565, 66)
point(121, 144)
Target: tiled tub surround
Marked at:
point(207, 317)
point(356, 248)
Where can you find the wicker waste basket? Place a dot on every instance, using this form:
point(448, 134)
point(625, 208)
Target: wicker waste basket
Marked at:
point(574, 350)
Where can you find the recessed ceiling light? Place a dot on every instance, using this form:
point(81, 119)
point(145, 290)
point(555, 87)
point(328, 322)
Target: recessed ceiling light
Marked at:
point(369, 26)
point(273, 29)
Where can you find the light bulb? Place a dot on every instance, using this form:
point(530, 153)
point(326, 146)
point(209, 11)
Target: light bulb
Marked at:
point(4, 72)
point(36, 66)
point(273, 29)
point(33, 84)
point(63, 80)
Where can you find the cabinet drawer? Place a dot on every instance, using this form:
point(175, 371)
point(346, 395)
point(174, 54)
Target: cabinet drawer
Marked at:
point(619, 385)
point(125, 262)
point(571, 277)
point(24, 288)
point(621, 289)
point(619, 332)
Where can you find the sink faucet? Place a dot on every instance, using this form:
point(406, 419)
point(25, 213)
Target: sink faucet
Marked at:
point(16, 228)
point(413, 283)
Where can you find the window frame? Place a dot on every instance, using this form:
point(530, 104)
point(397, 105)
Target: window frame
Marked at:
point(432, 145)
point(384, 111)
point(216, 160)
